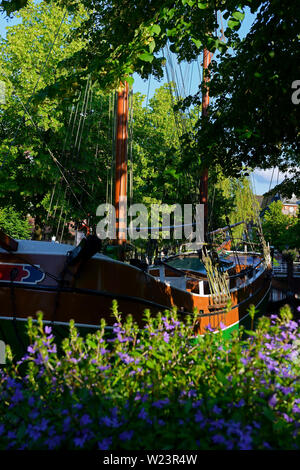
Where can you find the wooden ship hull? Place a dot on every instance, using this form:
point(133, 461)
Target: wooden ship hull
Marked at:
point(39, 277)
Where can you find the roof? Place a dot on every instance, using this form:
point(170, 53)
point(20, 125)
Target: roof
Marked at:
point(267, 199)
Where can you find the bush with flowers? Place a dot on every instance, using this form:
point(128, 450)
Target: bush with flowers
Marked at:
point(155, 388)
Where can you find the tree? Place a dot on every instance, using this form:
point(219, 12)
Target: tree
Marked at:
point(14, 224)
point(159, 171)
point(125, 37)
point(280, 230)
point(53, 148)
point(253, 121)
point(11, 6)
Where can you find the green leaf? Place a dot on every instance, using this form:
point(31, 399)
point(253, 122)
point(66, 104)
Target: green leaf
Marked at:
point(129, 80)
point(171, 32)
point(146, 57)
point(91, 344)
point(233, 24)
point(189, 2)
point(156, 29)
point(269, 414)
point(150, 364)
point(238, 15)
point(152, 46)
point(202, 5)
point(197, 42)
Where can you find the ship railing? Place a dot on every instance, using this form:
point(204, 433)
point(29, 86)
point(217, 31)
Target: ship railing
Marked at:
point(281, 269)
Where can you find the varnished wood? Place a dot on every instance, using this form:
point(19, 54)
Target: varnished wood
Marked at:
point(7, 243)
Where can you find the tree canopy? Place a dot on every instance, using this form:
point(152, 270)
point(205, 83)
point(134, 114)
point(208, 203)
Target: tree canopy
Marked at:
point(253, 120)
point(281, 230)
point(61, 66)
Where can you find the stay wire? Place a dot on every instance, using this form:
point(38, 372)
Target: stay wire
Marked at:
point(56, 161)
point(35, 87)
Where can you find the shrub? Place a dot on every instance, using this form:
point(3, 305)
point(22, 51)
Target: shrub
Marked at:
point(14, 224)
point(155, 388)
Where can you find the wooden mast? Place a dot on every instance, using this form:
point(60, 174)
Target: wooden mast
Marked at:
point(204, 176)
point(121, 164)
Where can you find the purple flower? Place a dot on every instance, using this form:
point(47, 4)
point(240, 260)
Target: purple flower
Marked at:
point(219, 439)
point(48, 330)
point(143, 398)
point(77, 406)
point(110, 422)
point(166, 337)
point(79, 441)
point(126, 435)
point(43, 425)
point(198, 416)
point(33, 432)
point(240, 403)
point(2, 429)
point(143, 414)
point(246, 442)
point(11, 435)
point(51, 431)
point(53, 442)
point(197, 403)
point(296, 409)
point(266, 445)
point(262, 356)
point(216, 409)
point(125, 358)
point(105, 443)
point(273, 401)
point(287, 418)
point(161, 403)
point(66, 424)
point(31, 349)
point(210, 328)
point(219, 424)
point(287, 390)
point(85, 420)
point(292, 324)
point(18, 396)
point(245, 360)
point(192, 393)
point(33, 414)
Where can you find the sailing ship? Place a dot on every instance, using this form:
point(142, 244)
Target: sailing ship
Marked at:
point(81, 283)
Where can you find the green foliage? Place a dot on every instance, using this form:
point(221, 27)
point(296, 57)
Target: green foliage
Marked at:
point(126, 37)
point(14, 224)
point(157, 387)
point(159, 170)
point(10, 6)
point(280, 230)
point(253, 120)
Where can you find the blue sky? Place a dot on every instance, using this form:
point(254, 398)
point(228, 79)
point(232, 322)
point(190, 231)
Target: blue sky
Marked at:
point(262, 180)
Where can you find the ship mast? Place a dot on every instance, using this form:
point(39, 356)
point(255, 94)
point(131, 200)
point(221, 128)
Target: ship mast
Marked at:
point(121, 164)
point(204, 177)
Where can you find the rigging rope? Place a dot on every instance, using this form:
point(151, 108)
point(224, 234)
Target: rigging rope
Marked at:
point(35, 87)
